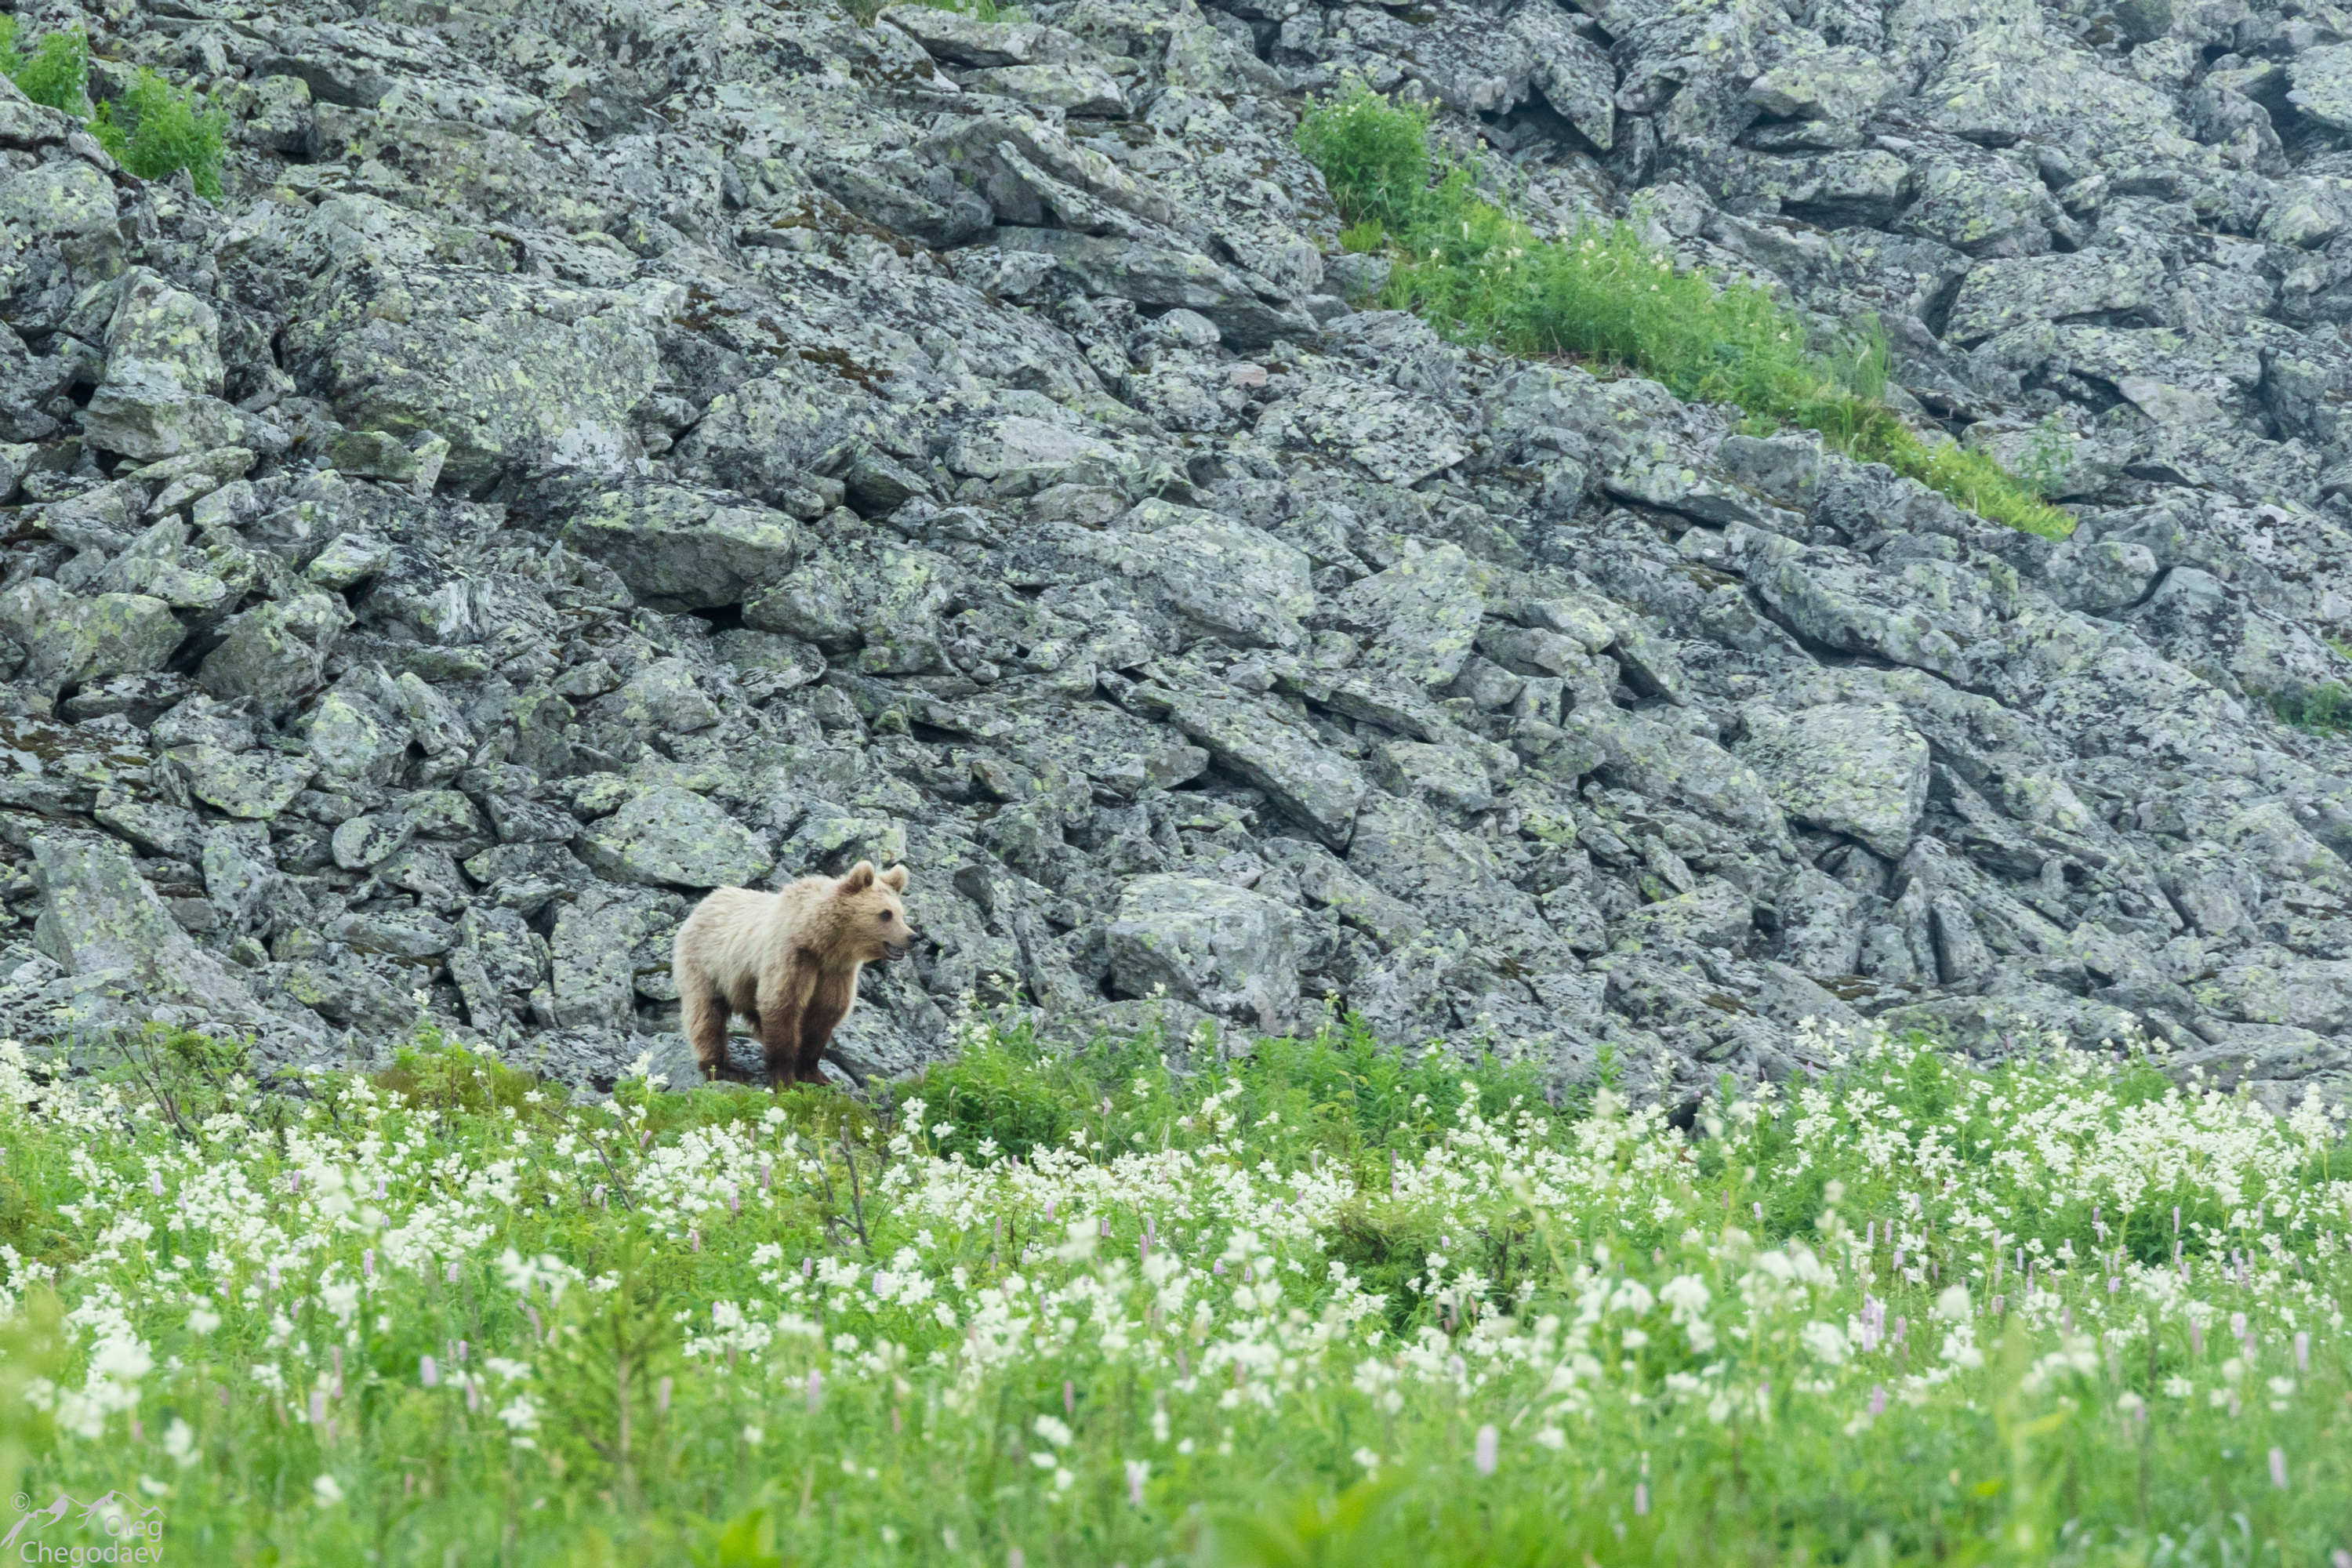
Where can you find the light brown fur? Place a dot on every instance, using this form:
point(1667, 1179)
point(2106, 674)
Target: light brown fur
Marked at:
point(787, 961)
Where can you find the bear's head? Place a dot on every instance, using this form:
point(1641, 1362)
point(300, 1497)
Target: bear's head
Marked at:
point(870, 916)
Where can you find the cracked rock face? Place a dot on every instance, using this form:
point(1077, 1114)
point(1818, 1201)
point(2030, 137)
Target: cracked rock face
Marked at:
point(594, 454)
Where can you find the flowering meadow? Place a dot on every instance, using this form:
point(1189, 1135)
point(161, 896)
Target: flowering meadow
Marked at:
point(1317, 1303)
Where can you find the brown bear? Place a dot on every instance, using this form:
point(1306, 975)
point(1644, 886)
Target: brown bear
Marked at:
point(788, 961)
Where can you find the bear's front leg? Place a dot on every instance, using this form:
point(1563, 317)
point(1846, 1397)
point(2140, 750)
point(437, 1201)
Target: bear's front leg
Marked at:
point(779, 1041)
point(828, 1004)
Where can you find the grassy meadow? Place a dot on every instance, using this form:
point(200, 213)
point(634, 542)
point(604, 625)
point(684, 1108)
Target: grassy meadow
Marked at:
point(1319, 1303)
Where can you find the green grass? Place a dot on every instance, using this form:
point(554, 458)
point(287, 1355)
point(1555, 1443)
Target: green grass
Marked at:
point(161, 129)
point(1478, 273)
point(1329, 1303)
point(57, 73)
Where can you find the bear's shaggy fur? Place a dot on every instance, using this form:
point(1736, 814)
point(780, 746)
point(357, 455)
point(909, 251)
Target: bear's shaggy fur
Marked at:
point(787, 961)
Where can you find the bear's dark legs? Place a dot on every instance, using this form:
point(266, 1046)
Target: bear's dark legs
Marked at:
point(779, 1041)
point(828, 1004)
point(706, 1031)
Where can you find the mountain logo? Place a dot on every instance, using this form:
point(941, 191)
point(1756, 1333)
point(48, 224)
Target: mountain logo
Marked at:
point(134, 1533)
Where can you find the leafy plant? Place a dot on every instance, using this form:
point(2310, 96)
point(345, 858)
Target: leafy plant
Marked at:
point(2049, 457)
point(57, 73)
point(1477, 273)
point(2325, 709)
point(161, 129)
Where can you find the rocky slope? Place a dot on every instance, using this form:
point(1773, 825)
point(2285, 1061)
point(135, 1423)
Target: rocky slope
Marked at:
point(603, 450)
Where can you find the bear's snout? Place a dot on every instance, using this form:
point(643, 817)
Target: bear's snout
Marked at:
point(891, 950)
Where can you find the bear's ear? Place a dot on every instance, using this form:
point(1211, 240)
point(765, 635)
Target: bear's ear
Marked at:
point(895, 879)
point(860, 877)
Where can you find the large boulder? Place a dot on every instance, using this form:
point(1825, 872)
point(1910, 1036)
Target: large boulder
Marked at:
point(101, 921)
point(1858, 770)
point(679, 550)
point(1221, 948)
point(669, 837)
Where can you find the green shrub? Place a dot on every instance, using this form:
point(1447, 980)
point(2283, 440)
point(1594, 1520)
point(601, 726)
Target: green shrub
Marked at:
point(1478, 273)
point(2325, 709)
point(56, 74)
point(159, 130)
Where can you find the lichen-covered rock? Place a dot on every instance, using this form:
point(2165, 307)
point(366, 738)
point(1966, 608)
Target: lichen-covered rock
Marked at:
point(163, 375)
point(269, 656)
point(101, 921)
point(69, 640)
point(1858, 770)
point(669, 838)
point(595, 957)
point(1322, 788)
point(681, 550)
point(251, 784)
point(1221, 948)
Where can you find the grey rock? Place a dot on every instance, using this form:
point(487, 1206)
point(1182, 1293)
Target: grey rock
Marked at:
point(1857, 771)
point(1224, 949)
point(269, 655)
point(251, 784)
point(99, 919)
point(597, 955)
point(349, 560)
point(1320, 787)
point(668, 837)
point(366, 841)
point(681, 550)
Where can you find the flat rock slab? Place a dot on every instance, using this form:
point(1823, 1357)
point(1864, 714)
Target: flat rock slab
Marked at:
point(1224, 949)
point(1852, 769)
point(672, 837)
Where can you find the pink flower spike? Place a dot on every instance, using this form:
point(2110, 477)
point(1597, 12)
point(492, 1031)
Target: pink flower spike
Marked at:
point(155, 1183)
point(1878, 1399)
point(317, 1407)
point(367, 1263)
point(1015, 1559)
point(2196, 1337)
point(1489, 1454)
point(453, 1273)
point(662, 1391)
point(1642, 1499)
point(816, 1389)
point(2278, 1469)
point(428, 1371)
point(1137, 1471)
point(1069, 1397)
point(694, 1238)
